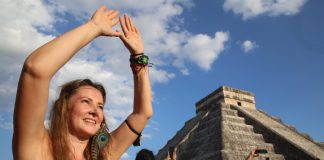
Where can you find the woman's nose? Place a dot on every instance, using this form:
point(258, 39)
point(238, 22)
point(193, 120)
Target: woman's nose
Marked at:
point(93, 111)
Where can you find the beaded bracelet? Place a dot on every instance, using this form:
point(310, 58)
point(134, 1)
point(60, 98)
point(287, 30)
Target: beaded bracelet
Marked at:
point(139, 61)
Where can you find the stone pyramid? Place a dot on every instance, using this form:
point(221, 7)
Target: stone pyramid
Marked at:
point(227, 126)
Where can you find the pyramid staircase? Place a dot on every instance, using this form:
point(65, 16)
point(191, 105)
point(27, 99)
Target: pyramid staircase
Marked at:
point(286, 139)
point(239, 138)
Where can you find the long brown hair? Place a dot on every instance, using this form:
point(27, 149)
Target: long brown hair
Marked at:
point(59, 119)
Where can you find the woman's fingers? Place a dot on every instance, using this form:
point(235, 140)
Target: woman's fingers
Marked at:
point(107, 13)
point(111, 14)
point(102, 9)
point(122, 37)
point(114, 17)
point(136, 30)
point(123, 26)
point(128, 22)
point(131, 24)
point(131, 36)
point(114, 21)
point(116, 33)
point(128, 26)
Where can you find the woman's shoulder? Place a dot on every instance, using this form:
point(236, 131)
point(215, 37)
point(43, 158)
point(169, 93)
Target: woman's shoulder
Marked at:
point(41, 150)
point(46, 147)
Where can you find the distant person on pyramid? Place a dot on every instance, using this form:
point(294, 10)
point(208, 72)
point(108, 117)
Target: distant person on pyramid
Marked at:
point(145, 154)
point(172, 153)
point(78, 129)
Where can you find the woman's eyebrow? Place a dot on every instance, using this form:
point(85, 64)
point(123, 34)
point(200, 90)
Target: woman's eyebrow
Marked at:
point(90, 99)
point(86, 98)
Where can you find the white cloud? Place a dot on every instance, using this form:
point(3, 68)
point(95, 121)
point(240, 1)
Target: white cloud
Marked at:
point(125, 156)
point(19, 21)
point(146, 136)
point(248, 46)
point(83, 9)
point(204, 50)
point(253, 8)
point(160, 76)
point(7, 93)
point(47, 124)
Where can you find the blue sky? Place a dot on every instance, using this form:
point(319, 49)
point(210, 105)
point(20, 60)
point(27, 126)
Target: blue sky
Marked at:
point(271, 48)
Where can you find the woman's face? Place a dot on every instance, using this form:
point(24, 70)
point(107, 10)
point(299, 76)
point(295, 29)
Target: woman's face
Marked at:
point(86, 112)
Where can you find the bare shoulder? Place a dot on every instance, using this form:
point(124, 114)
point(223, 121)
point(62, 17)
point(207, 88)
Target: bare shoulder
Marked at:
point(47, 147)
point(39, 150)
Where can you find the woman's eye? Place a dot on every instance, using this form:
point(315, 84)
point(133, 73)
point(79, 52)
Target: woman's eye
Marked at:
point(101, 107)
point(85, 101)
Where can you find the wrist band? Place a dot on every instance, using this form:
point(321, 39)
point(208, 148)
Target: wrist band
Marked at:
point(141, 60)
point(134, 55)
point(138, 62)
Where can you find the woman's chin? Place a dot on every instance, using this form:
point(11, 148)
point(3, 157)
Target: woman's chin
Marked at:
point(91, 132)
point(87, 133)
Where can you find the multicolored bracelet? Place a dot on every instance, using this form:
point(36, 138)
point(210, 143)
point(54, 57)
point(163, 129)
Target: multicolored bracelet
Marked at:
point(139, 61)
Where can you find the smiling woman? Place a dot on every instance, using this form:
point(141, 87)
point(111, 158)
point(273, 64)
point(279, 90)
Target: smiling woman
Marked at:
point(78, 112)
point(78, 129)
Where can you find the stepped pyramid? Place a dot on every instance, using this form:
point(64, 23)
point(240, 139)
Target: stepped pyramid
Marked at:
point(227, 126)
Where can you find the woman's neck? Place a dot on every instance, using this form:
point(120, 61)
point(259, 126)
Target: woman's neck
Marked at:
point(77, 147)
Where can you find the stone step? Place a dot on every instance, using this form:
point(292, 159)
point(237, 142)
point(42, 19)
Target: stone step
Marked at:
point(235, 119)
point(273, 128)
point(242, 132)
point(211, 122)
point(214, 117)
point(247, 146)
point(272, 156)
point(198, 133)
point(214, 109)
point(234, 135)
point(237, 127)
point(201, 131)
point(230, 155)
point(225, 106)
point(192, 120)
point(205, 156)
point(230, 112)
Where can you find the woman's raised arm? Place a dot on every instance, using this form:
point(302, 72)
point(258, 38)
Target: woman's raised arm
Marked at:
point(38, 69)
point(125, 135)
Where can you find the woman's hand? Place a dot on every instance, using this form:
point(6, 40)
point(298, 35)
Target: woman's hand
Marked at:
point(252, 154)
point(105, 20)
point(131, 37)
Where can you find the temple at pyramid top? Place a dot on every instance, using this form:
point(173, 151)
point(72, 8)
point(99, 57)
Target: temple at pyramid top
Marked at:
point(229, 96)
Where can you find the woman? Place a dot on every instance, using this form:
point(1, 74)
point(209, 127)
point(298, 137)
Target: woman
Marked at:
point(78, 130)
